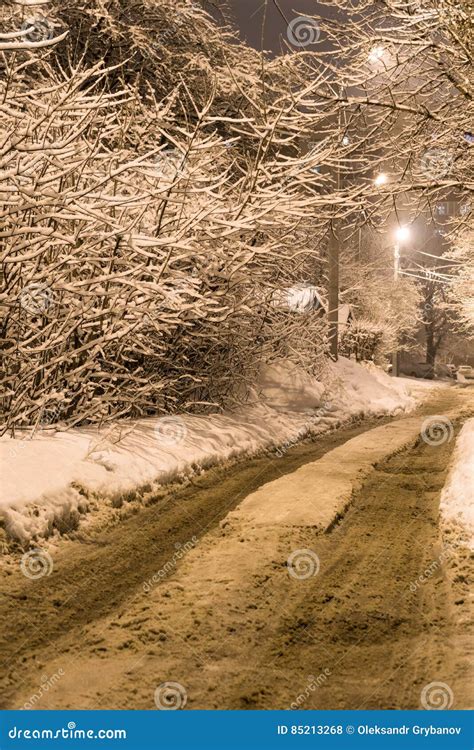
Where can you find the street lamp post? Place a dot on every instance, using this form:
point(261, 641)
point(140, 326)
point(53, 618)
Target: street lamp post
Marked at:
point(402, 235)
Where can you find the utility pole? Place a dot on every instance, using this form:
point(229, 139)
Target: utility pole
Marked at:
point(396, 273)
point(333, 260)
point(402, 235)
point(333, 294)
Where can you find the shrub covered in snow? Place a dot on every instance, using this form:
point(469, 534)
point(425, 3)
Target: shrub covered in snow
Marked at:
point(140, 249)
point(362, 339)
point(78, 470)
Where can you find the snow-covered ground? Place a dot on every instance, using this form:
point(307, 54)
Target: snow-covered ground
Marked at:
point(457, 499)
point(55, 476)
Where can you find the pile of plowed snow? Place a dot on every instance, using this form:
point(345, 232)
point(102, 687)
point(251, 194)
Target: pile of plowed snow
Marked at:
point(457, 499)
point(54, 477)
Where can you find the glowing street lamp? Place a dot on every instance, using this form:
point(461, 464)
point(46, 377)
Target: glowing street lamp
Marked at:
point(376, 54)
point(402, 234)
point(381, 179)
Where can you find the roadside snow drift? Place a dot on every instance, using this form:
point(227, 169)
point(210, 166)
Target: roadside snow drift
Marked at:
point(49, 480)
point(457, 498)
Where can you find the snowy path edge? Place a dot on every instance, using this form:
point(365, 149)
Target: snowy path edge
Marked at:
point(318, 493)
point(51, 482)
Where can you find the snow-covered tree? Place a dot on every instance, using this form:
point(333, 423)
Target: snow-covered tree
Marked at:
point(400, 75)
point(460, 294)
point(144, 236)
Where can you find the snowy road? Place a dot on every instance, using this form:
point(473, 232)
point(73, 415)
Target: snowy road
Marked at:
point(126, 610)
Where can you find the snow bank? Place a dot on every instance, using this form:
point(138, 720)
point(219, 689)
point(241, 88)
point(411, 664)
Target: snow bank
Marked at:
point(369, 390)
point(285, 387)
point(50, 480)
point(457, 498)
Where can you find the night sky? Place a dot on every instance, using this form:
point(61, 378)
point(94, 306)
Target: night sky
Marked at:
point(248, 17)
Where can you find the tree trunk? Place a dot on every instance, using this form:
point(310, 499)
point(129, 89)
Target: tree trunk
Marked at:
point(431, 347)
point(333, 294)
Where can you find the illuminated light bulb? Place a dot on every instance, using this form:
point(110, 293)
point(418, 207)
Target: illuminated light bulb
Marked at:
point(376, 54)
point(402, 234)
point(381, 179)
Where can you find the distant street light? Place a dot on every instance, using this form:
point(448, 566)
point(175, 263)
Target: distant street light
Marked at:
point(376, 54)
point(402, 234)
